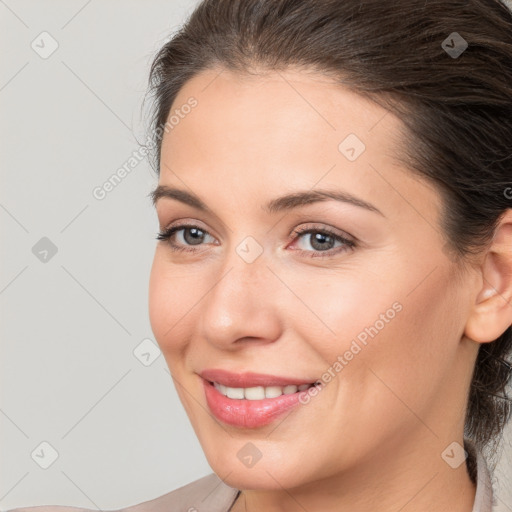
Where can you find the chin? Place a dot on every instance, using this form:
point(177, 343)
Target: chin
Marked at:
point(263, 478)
point(270, 473)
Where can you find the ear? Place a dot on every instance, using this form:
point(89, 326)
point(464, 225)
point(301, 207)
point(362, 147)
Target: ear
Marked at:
point(491, 314)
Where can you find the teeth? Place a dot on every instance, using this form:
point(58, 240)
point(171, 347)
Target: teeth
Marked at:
point(237, 393)
point(273, 392)
point(259, 392)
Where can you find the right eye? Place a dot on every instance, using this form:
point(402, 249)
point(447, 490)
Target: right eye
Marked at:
point(191, 234)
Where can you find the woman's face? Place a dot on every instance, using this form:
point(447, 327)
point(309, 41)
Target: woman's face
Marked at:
point(377, 316)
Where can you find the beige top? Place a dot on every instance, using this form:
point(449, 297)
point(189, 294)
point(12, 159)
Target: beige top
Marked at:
point(211, 494)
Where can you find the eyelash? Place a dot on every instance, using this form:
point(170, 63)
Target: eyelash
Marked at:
point(166, 234)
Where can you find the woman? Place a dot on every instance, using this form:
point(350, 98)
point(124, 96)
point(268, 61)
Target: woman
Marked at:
point(332, 284)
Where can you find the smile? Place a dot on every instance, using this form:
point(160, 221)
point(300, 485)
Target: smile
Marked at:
point(250, 400)
point(259, 392)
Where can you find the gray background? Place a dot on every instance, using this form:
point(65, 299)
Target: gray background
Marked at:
point(71, 321)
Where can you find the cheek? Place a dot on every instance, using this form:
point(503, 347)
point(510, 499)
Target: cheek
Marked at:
point(169, 303)
point(345, 307)
point(384, 336)
point(405, 364)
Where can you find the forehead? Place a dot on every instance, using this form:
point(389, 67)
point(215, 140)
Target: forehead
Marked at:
point(282, 128)
point(296, 112)
point(294, 96)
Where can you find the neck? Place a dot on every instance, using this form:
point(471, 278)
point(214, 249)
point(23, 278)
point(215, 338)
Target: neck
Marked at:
point(412, 478)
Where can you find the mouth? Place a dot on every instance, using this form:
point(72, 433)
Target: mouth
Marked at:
point(259, 392)
point(248, 380)
point(251, 400)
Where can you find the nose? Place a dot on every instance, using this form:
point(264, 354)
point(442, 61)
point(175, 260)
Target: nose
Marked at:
point(242, 306)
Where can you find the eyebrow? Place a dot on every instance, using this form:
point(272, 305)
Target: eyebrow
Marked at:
point(283, 203)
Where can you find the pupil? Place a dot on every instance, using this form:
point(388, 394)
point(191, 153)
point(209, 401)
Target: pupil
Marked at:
point(197, 238)
point(320, 238)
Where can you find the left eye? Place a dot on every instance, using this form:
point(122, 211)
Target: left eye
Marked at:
point(322, 242)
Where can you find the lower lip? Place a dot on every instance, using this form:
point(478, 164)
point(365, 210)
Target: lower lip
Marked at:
point(248, 413)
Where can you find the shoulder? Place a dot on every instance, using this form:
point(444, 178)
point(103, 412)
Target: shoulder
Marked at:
point(480, 474)
point(207, 493)
point(49, 508)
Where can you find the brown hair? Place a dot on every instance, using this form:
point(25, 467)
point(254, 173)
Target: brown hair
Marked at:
point(456, 109)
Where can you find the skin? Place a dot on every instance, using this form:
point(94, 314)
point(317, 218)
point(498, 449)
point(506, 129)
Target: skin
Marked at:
point(372, 439)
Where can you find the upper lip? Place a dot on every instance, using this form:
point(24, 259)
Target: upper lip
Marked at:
point(249, 379)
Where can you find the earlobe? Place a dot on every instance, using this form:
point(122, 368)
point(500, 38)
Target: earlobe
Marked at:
point(491, 315)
